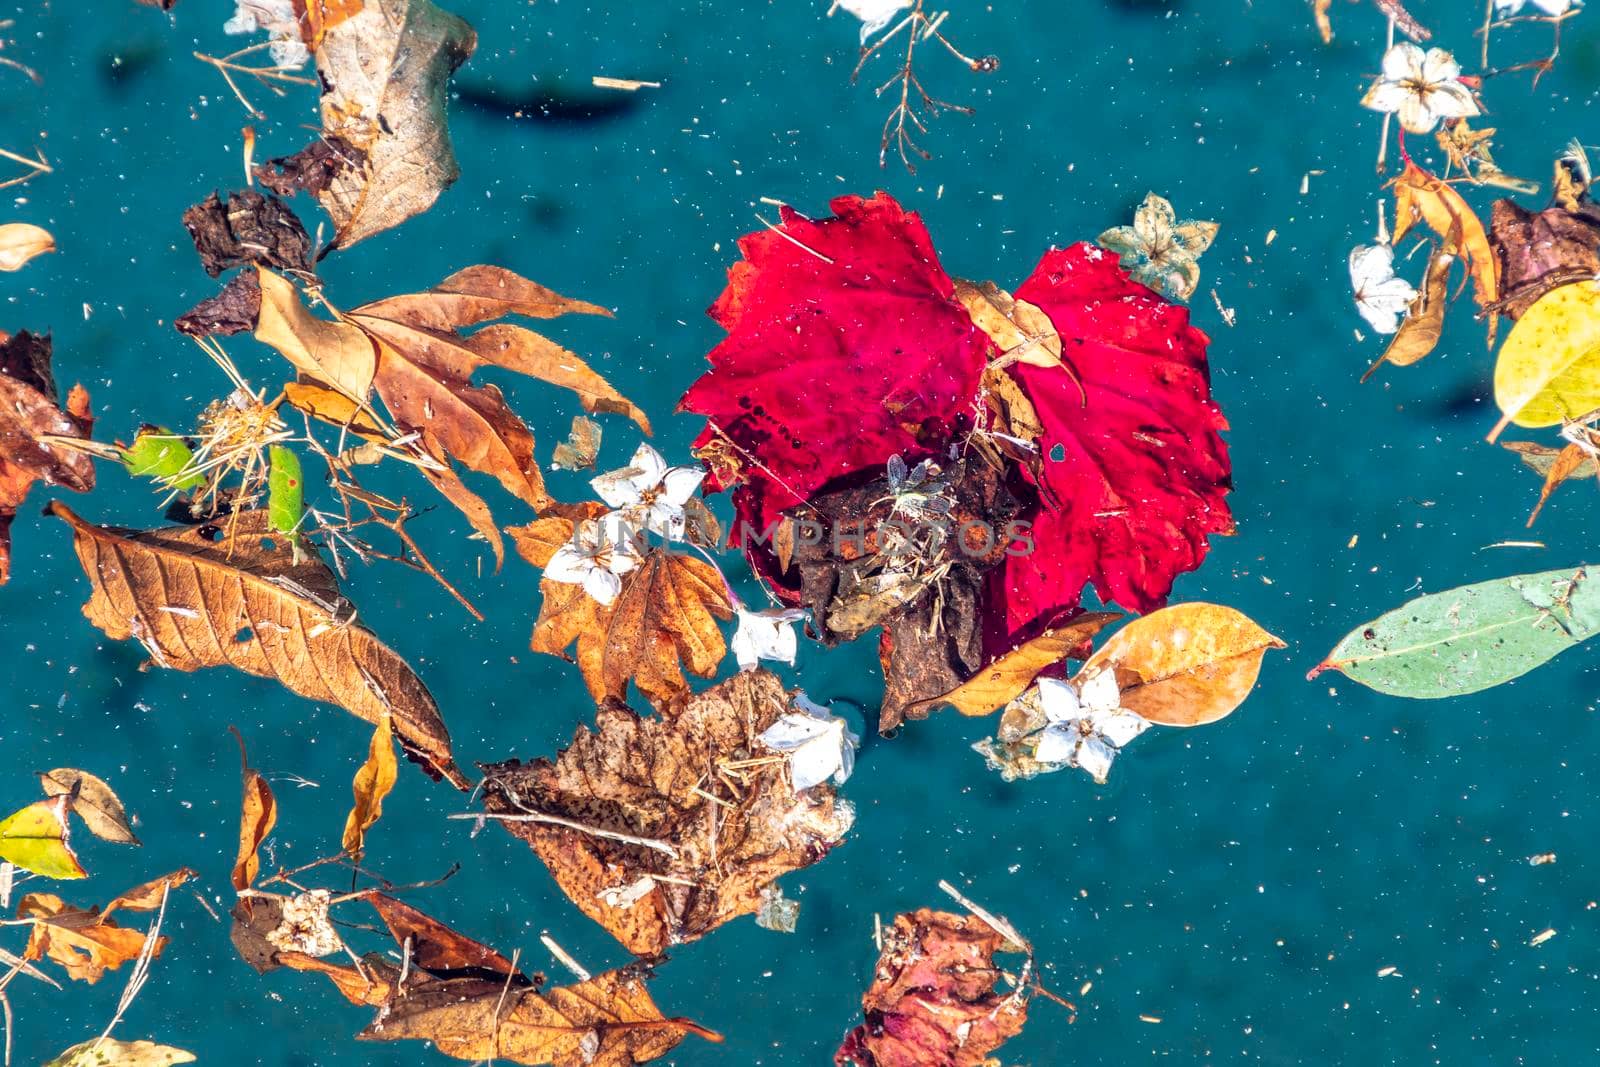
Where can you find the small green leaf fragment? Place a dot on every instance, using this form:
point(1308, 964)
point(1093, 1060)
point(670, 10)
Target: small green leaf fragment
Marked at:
point(159, 453)
point(286, 500)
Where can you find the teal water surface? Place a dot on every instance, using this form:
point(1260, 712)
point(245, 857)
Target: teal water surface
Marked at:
point(1243, 883)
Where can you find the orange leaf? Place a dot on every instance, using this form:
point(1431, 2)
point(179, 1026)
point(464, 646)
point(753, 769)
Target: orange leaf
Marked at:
point(372, 783)
point(1420, 197)
point(259, 814)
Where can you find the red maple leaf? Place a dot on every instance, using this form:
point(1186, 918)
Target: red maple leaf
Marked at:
point(845, 347)
point(1133, 470)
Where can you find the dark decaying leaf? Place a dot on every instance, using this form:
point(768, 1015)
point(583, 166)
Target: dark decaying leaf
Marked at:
point(663, 830)
point(933, 1001)
point(471, 1003)
point(247, 227)
point(235, 595)
point(312, 169)
point(234, 310)
point(29, 410)
point(1540, 251)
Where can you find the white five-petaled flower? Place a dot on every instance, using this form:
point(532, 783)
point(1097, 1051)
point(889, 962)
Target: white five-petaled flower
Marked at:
point(1549, 7)
point(1420, 87)
point(874, 14)
point(1087, 725)
point(648, 494)
point(1380, 296)
point(766, 635)
point(820, 745)
point(600, 553)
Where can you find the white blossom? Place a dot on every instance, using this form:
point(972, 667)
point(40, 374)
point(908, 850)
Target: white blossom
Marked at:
point(648, 494)
point(820, 745)
point(276, 18)
point(1549, 7)
point(1088, 726)
point(765, 635)
point(1420, 87)
point(874, 14)
point(1380, 296)
point(600, 553)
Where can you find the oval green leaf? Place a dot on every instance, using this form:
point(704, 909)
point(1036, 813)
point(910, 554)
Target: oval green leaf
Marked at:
point(1471, 638)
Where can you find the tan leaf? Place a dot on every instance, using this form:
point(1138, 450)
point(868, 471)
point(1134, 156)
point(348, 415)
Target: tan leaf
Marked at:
point(433, 945)
point(333, 407)
point(1420, 197)
point(470, 504)
point(1186, 665)
point(386, 74)
point(581, 448)
point(258, 814)
point(95, 803)
point(662, 830)
point(666, 615)
point(537, 541)
point(1014, 413)
point(996, 684)
point(1022, 332)
point(244, 601)
point(1419, 333)
point(934, 998)
point(1319, 11)
point(333, 352)
point(148, 896)
point(478, 294)
point(20, 242)
point(1541, 458)
point(519, 349)
point(369, 985)
point(28, 411)
point(372, 783)
point(84, 942)
point(1565, 465)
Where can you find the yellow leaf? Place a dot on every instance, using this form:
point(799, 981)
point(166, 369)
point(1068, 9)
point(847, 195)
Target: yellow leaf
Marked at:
point(37, 840)
point(1186, 665)
point(333, 352)
point(996, 684)
point(372, 783)
point(1549, 368)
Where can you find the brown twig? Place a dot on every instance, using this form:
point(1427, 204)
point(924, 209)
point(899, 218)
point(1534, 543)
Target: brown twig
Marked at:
point(905, 122)
point(1404, 19)
point(227, 66)
point(35, 167)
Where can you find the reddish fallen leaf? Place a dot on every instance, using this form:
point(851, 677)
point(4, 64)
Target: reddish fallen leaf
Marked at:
point(1133, 473)
point(1541, 251)
point(28, 411)
point(933, 1001)
point(663, 830)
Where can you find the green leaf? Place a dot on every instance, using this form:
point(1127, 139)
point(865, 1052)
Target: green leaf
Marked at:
point(109, 1052)
point(36, 839)
point(1471, 638)
point(159, 453)
point(286, 499)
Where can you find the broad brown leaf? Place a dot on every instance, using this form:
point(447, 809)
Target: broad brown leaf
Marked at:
point(243, 601)
point(1419, 334)
point(93, 801)
point(28, 411)
point(663, 830)
point(247, 227)
point(664, 620)
point(933, 1001)
point(386, 72)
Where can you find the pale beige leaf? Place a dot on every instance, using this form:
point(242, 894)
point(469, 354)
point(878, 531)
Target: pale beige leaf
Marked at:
point(333, 352)
point(20, 242)
point(96, 803)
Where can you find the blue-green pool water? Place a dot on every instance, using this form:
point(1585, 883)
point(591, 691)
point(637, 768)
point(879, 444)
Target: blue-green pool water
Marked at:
point(1244, 883)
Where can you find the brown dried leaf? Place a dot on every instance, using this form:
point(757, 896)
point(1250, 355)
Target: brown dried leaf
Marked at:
point(1541, 458)
point(478, 294)
point(149, 895)
point(243, 600)
point(386, 73)
point(933, 1002)
point(258, 814)
point(94, 802)
point(332, 407)
point(666, 829)
point(537, 541)
point(1567, 462)
point(247, 228)
point(434, 946)
point(28, 411)
point(995, 685)
point(372, 783)
point(333, 352)
point(1419, 333)
point(1319, 11)
point(1421, 197)
point(1541, 251)
point(1021, 332)
point(86, 943)
point(234, 310)
point(666, 615)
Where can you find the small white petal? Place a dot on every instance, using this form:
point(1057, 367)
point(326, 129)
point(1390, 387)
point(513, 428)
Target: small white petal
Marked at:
point(1402, 62)
point(1099, 692)
point(1059, 700)
point(568, 565)
point(792, 731)
point(1415, 114)
point(811, 765)
point(1439, 66)
point(765, 635)
point(1370, 264)
point(1120, 726)
point(649, 463)
point(602, 585)
point(680, 483)
point(1057, 744)
point(1095, 756)
point(617, 488)
point(1386, 96)
point(1452, 100)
